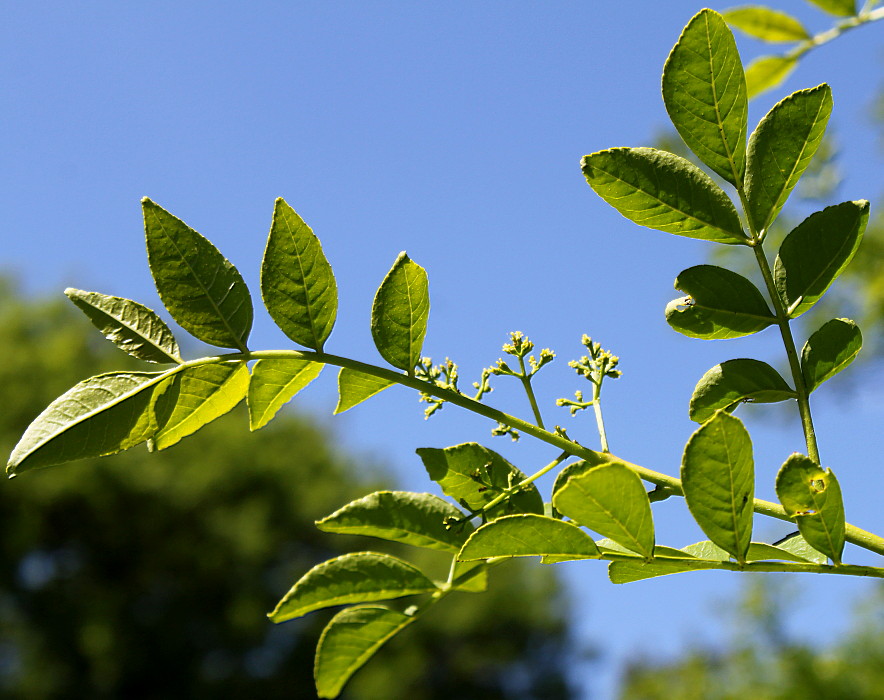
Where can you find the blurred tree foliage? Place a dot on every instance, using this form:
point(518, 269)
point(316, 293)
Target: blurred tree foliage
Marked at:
point(149, 576)
point(762, 662)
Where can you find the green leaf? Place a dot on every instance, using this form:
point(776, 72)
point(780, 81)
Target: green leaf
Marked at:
point(718, 479)
point(130, 326)
point(102, 415)
point(528, 536)
point(202, 290)
point(800, 547)
point(829, 350)
point(204, 393)
point(765, 23)
point(816, 252)
point(297, 283)
point(473, 475)
point(349, 640)
point(665, 192)
point(812, 498)
point(355, 387)
point(760, 551)
point(720, 304)
point(399, 314)
point(707, 550)
point(726, 385)
point(781, 148)
point(839, 8)
point(470, 576)
point(274, 383)
point(360, 577)
point(767, 72)
point(417, 519)
point(704, 90)
point(630, 571)
point(611, 500)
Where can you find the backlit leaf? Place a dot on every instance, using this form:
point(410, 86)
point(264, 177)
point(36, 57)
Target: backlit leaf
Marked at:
point(417, 519)
point(800, 547)
point(130, 326)
point(470, 576)
point(527, 536)
point(812, 498)
point(767, 72)
point(829, 350)
point(760, 551)
point(732, 382)
point(349, 640)
point(274, 383)
point(204, 393)
point(781, 148)
point(201, 289)
point(706, 550)
point(665, 192)
point(360, 577)
point(765, 23)
point(839, 8)
point(354, 387)
point(630, 571)
point(297, 283)
point(720, 304)
point(718, 479)
point(704, 90)
point(473, 475)
point(816, 252)
point(611, 500)
point(399, 314)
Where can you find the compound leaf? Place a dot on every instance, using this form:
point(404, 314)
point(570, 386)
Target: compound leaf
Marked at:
point(704, 90)
point(203, 393)
point(611, 500)
point(781, 148)
point(734, 381)
point(812, 498)
point(399, 313)
point(529, 535)
point(297, 283)
point(354, 387)
point(417, 519)
point(767, 72)
point(718, 478)
point(473, 475)
point(816, 252)
point(130, 326)
point(829, 350)
point(720, 304)
point(360, 577)
point(766, 24)
point(274, 383)
point(349, 640)
point(665, 192)
point(201, 289)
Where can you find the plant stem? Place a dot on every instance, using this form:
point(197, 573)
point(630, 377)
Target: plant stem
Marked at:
point(597, 408)
point(865, 16)
point(525, 377)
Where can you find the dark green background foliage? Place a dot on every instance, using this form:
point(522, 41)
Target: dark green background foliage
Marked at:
point(148, 576)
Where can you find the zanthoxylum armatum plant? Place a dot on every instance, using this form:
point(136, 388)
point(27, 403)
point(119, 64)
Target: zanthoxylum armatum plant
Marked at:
point(495, 511)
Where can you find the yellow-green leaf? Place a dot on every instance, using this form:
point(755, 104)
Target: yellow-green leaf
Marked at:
point(354, 387)
point(766, 23)
point(274, 383)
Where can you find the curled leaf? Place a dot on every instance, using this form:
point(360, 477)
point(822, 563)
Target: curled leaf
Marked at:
point(732, 382)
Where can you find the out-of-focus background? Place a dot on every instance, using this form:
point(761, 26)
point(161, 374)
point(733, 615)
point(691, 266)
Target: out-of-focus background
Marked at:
point(453, 132)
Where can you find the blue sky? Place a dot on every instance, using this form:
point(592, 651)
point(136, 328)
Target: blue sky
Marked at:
point(452, 131)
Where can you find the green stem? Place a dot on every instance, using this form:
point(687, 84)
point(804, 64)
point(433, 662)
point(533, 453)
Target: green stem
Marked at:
point(525, 377)
point(597, 408)
point(865, 16)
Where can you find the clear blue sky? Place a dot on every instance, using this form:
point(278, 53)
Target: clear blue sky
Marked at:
point(453, 131)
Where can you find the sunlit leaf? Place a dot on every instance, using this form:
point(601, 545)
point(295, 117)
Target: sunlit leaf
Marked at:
point(354, 387)
point(349, 640)
point(706, 550)
point(718, 479)
point(418, 519)
point(665, 192)
point(800, 547)
point(760, 551)
point(473, 475)
point(781, 148)
point(704, 90)
point(360, 577)
point(829, 350)
point(720, 304)
point(767, 72)
point(839, 8)
point(201, 289)
point(399, 313)
point(733, 382)
point(812, 497)
point(470, 576)
point(274, 383)
point(765, 23)
point(630, 571)
point(130, 326)
point(203, 393)
point(297, 283)
point(529, 535)
point(611, 500)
